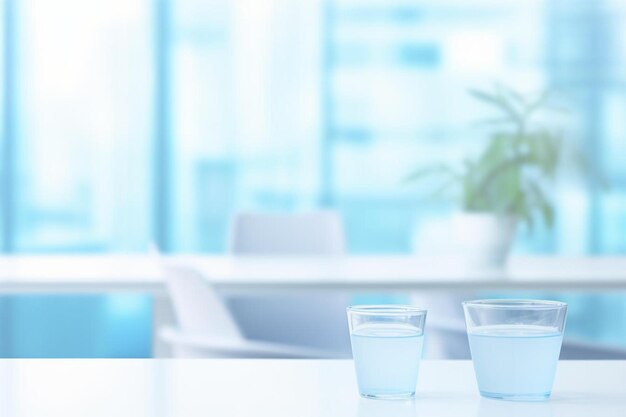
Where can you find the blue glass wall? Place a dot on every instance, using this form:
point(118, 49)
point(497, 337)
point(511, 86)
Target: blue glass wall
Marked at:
point(69, 326)
point(131, 122)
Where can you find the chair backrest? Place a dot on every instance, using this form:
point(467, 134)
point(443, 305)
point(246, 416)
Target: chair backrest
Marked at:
point(316, 233)
point(197, 307)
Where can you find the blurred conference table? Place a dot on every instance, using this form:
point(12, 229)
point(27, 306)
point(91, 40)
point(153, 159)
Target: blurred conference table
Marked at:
point(277, 388)
point(143, 273)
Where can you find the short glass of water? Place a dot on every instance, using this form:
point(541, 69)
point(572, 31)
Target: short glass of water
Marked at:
point(515, 346)
point(387, 345)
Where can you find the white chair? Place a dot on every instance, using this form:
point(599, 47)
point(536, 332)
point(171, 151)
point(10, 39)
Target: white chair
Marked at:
point(316, 319)
point(206, 328)
point(309, 234)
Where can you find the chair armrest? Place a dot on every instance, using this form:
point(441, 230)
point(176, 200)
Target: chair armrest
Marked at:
point(239, 348)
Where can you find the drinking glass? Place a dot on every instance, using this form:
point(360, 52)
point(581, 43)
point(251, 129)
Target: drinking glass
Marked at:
point(387, 345)
point(515, 346)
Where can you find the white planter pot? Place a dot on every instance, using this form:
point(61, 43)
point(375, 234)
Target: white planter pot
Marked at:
point(483, 240)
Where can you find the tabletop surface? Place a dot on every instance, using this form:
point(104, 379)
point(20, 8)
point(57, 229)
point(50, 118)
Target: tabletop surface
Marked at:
point(143, 272)
point(276, 388)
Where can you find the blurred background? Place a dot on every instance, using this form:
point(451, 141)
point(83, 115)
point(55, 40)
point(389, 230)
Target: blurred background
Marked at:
point(131, 123)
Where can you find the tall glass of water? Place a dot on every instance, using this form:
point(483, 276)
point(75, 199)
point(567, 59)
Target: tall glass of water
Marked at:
point(387, 345)
point(515, 346)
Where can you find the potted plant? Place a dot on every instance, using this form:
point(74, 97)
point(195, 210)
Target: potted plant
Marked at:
point(506, 183)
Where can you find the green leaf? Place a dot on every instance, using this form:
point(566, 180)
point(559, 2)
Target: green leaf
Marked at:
point(520, 210)
point(486, 97)
point(494, 121)
point(514, 95)
point(499, 102)
point(440, 169)
point(491, 175)
point(541, 202)
point(537, 103)
point(440, 192)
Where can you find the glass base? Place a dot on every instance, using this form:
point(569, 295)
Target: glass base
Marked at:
point(516, 397)
point(394, 396)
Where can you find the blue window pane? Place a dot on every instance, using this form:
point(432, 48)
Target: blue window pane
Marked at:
point(85, 124)
point(6, 127)
point(245, 114)
point(79, 326)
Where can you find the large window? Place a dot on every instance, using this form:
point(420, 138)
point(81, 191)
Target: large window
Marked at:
point(245, 108)
point(82, 110)
point(127, 123)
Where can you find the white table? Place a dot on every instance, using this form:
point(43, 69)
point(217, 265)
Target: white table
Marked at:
point(109, 273)
point(277, 388)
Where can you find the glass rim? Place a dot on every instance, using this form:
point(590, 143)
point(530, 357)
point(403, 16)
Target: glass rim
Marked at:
point(516, 304)
point(386, 309)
